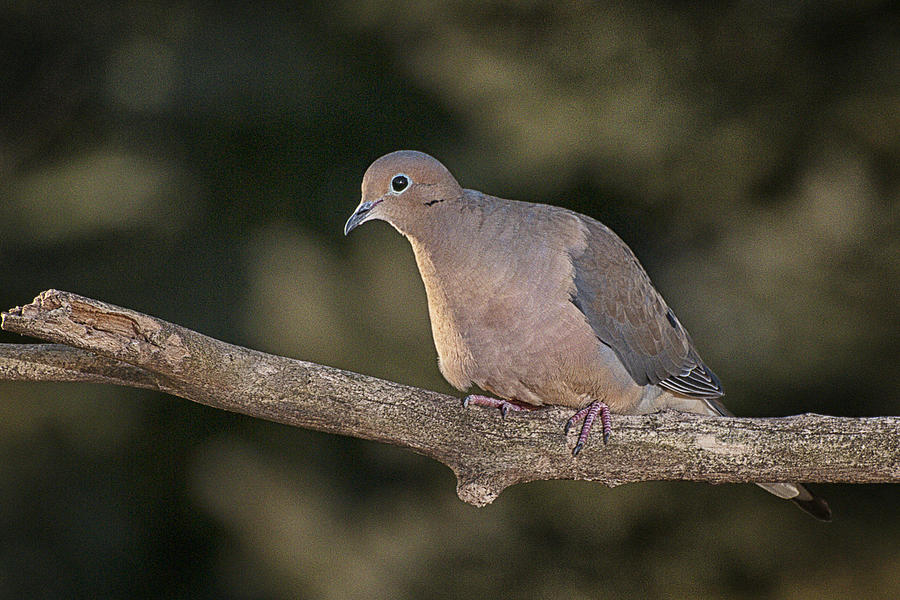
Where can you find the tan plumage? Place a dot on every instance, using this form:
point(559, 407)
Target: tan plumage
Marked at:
point(540, 305)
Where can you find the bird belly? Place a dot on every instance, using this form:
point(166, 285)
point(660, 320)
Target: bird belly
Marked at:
point(564, 364)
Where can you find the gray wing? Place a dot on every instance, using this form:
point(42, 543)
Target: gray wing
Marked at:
point(628, 314)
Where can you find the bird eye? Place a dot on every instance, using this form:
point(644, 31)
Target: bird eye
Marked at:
point(399, 183)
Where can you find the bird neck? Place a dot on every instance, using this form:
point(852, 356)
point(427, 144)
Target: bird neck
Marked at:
point(449, 236)
point(450, 246)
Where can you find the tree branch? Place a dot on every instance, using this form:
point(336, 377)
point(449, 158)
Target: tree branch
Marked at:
point(108, 344)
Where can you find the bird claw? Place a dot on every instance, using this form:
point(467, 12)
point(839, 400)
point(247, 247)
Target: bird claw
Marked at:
point(504, 405)
point(589, 413)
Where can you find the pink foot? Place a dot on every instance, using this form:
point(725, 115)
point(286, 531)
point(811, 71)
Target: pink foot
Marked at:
point(504, 405)
point(589, 413)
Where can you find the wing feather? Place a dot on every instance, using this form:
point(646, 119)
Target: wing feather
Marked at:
point(626, 312)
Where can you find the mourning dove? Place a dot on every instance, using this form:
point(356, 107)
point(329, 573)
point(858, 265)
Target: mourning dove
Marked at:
point(541, 305)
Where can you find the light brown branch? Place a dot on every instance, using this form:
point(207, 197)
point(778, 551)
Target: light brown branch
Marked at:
point(108, 344)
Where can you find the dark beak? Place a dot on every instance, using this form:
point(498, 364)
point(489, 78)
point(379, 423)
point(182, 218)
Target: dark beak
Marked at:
point(360, 216)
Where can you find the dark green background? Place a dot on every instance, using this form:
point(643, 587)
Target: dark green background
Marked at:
point(197, 161)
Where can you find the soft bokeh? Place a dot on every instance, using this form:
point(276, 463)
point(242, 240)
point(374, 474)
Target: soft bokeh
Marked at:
point(197, 161)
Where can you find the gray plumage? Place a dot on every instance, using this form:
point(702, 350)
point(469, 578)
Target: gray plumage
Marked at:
point(539, 305)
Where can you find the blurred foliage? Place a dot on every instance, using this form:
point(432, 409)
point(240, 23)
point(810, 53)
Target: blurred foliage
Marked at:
point(196, 161)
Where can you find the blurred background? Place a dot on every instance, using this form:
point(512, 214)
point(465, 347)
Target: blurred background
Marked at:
point(197, 161)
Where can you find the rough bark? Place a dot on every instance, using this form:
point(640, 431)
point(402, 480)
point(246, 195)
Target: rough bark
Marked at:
point(108, 344)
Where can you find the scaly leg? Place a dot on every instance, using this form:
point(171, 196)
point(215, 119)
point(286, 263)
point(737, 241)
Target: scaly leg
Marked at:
point(589, 413)
point(504, 405)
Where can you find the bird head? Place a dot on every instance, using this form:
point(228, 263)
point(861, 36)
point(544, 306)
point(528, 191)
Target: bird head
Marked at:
point(402, 188)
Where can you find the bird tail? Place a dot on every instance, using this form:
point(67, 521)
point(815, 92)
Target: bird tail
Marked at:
point(795, 492)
